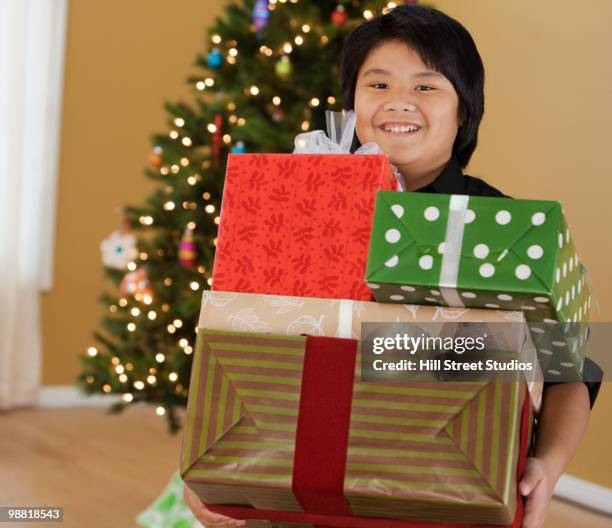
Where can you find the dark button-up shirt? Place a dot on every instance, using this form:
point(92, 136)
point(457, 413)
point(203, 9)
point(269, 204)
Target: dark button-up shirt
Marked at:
point(452, 181)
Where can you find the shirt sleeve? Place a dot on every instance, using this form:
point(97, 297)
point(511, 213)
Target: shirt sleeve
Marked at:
point(593, 375)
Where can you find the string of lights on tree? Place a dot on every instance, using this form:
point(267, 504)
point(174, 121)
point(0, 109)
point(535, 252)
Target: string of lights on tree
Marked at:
point(269, 72)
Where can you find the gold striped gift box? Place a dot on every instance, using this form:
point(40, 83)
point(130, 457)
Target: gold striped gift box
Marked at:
point(440, 452)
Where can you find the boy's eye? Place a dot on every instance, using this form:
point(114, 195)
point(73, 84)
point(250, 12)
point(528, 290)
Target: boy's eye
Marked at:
point(419, 88)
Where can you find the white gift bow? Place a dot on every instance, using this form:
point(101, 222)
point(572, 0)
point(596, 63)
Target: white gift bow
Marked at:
point(317, 142)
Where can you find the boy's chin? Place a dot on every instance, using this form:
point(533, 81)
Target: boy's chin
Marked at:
point(403, 161)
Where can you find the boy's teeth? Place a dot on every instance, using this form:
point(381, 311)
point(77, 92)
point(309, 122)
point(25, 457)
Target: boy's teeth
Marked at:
point(402, 129)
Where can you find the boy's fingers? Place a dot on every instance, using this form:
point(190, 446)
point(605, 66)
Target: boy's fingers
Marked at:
point(530, 479)
point(535, 508)
point(526, 486)
point(208, 518)
point(216, 523)
point(217, 520)
point(229, 522)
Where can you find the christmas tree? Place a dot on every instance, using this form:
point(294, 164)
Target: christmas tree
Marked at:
point(270, 70)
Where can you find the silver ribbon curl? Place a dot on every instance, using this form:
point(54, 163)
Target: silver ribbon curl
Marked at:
point(339, 138)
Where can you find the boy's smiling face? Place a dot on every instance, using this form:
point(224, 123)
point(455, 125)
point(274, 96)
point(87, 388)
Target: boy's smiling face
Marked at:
point(411, 112)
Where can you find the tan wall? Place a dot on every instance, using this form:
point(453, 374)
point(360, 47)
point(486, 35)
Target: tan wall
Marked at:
point(124, 59)
point(547, 118)
point(546, 135)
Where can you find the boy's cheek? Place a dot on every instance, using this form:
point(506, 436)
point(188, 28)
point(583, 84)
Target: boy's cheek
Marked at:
point(363, 115)
point(360, 135)
point(363, 135)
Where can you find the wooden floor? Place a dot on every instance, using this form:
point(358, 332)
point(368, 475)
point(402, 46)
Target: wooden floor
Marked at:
point(105, 469)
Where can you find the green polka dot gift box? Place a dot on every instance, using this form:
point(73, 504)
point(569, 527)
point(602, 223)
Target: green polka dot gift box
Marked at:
point(485, 252)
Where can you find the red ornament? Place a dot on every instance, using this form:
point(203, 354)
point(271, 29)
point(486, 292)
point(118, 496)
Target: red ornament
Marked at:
point(136, 283)
point(187, 252)
point(155, 161)
point(276, 113)
point(216, 140)
point(339, 16)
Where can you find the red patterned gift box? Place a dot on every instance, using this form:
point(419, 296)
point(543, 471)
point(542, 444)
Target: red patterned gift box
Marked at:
point(298, 224)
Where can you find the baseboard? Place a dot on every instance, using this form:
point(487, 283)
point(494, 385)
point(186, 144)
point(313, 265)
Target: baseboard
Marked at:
point(63, 396)
point(570, 488)
point(584, 493)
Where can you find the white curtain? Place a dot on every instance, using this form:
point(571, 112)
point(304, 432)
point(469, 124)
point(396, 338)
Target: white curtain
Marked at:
point(32, 38)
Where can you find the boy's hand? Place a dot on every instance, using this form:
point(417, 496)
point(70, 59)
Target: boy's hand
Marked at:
point(537, 485)
point(208, 518)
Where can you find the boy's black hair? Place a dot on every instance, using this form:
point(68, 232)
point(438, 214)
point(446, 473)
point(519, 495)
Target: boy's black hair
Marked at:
point(443, 44)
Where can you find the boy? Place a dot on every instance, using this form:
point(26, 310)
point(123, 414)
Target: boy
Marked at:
point(415, 80)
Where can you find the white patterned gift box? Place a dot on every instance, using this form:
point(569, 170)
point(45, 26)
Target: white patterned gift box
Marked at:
point(485, 252)
point(289, 315)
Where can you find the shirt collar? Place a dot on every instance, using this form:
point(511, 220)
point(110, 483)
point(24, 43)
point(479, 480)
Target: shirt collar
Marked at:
point(450, 181)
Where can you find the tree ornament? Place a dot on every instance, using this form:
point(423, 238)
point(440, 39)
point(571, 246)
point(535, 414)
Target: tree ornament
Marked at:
point(136, 283)
point(216, 140)
point(261, 15)
point(276, 112)
point(155, 160)
point(215, 59)
point(238, 148)
point(283, 67)
point(187, 250)
point(118, 249)
point(339, 16)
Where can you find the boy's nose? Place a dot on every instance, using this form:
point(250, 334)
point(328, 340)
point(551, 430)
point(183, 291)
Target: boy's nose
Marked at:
point(399, 105)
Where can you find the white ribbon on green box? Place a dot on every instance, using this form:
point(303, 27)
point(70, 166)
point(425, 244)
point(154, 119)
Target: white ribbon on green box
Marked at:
point(453, 241)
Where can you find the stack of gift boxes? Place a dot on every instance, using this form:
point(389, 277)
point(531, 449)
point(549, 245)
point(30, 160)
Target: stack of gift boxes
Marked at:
point(280, 426)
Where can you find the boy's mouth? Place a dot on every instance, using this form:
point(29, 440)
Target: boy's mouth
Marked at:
point(400, 128)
